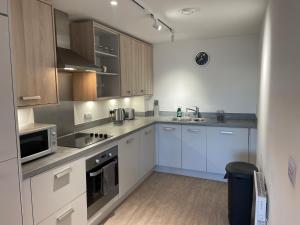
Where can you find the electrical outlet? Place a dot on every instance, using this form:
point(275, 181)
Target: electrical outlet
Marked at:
point(88, 116)
point(292, 170)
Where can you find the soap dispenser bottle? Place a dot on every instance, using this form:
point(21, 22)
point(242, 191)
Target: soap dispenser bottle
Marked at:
point(179, 112)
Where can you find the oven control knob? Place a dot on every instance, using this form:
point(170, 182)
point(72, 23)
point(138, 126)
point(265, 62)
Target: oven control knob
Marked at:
point(96, 135)
point(105, 136)
point(110, 154)
point(100, 135)
point(91, 134)
point(97, 161)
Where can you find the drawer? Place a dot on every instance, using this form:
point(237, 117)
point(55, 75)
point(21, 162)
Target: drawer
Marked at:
point(74, 213)
point(54, 189)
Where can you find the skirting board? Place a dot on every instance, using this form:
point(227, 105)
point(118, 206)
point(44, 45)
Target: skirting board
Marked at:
point(191, 173)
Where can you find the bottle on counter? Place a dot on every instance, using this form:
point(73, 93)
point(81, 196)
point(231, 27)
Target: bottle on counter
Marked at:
point(179, 112)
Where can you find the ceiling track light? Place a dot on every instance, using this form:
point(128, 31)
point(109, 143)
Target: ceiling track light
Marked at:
point(158, 23)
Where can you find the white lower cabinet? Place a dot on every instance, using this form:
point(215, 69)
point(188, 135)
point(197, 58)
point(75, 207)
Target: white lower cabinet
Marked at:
point(194, 148)
point(74, 213)
point(225, 145)
point(10, 199)
point(169, 145)
point(54, 189)
point(129, 148)
point(147, 150)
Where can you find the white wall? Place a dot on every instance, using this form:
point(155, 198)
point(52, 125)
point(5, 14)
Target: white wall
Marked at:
point(100, 109)
point(229, 81)
point(279, 109)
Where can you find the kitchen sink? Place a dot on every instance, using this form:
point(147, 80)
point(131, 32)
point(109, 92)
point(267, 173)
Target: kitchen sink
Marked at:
point(188, 119)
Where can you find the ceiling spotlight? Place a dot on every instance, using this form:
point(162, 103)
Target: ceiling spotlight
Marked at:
point(113, 2)
point(188, 11)
point(156, 25)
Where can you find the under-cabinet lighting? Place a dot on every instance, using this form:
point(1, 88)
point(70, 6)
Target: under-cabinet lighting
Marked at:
point(91, 71)
point(114, 3)
point(69, 68)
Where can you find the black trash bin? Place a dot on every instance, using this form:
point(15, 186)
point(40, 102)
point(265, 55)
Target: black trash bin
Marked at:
point(240, 192)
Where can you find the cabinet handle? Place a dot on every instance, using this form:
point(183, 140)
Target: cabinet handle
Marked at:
point(63, 173)
point(142, 90)
point(226, 132)
point(169, 128)
point(65, 215)
point(194, 130)
point(129, 140)
point(148, 132)
point(29, 98)
point(128, 92)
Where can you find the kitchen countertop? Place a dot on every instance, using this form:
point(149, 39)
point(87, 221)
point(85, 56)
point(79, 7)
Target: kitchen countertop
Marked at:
point(64, 155)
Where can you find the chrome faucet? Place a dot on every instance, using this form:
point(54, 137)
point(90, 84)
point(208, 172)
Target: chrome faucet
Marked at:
point(196, 111)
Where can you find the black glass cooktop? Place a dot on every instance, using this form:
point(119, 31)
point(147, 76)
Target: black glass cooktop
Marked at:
point(81, 140)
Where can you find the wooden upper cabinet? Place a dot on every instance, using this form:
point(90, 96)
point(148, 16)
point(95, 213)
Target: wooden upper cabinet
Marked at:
point(136, 67)
point(34, 56)
point(3, 6)
point(127, 72)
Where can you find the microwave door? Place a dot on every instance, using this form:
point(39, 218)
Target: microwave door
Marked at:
point(34, 144)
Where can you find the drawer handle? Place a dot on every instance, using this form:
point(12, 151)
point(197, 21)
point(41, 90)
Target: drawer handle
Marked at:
point(129, 140)
point(65, 215)
point(194, 130)
point(148, 132)
point(94, 174)
point(169, 128)
point(29, 98)
point(226, 132)
point(63, 173)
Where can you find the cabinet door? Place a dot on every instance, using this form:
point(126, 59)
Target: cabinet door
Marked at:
point(194, 148)
point(8, 127)
point(10, 206)
point(126, 53)
point(147, 153)
point(129, 148)
point(225, 145)
point(169, 144)
point(3, 6)
point(148, 81)
point(34, 52)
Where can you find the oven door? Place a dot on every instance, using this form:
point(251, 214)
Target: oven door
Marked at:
point(102, 185)
point(34, 145)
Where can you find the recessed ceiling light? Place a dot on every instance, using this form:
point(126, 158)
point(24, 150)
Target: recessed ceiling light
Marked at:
point(113, 2)
point(188, 11)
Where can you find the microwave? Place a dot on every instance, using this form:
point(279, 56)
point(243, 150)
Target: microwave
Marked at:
point(37, 140)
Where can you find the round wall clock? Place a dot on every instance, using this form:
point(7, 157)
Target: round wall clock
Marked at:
point(202, 58)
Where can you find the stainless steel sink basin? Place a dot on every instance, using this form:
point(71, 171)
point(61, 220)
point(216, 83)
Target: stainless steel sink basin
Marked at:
point(188, 119)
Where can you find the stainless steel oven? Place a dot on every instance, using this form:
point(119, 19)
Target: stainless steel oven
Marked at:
point(37, 140)
point(102, 179)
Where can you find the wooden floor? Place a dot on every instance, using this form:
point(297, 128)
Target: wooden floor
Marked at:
point(165, 199)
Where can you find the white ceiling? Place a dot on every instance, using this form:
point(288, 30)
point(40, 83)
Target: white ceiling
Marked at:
point(216, 18)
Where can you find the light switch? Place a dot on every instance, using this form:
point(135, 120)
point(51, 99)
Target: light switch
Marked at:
point(292, 170)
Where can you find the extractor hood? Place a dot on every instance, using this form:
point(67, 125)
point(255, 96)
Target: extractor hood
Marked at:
point(67, 59)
